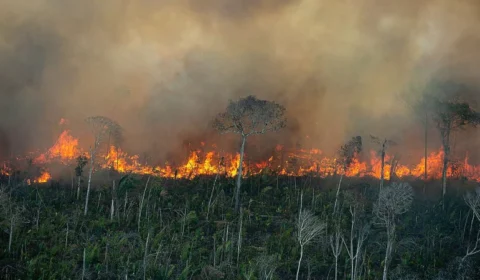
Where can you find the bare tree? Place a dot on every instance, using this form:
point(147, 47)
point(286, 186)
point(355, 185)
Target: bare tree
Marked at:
point(384, 145)
point(359, 230)
point(266, 266)
point(308, 227)
point(393, 201)
point(473, 202)
point(249, 116)
point(347, 155)
point(101, 127)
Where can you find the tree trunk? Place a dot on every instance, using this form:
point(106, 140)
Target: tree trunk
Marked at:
point(382, 171)
point(446, 154)
point(90, 173)
point(425, 175)
point(388, 252)
point(239, 175)
point(10, 237)
point(299, 261)
point(78, 187)
point(338, 192)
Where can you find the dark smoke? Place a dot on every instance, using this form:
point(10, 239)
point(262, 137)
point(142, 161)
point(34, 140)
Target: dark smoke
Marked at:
point(163, 69)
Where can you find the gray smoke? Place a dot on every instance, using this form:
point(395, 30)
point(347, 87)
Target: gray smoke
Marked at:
point(162, 69)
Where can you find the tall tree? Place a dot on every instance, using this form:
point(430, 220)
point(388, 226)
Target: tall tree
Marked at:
point(101, 128)
point(383, 150)
point(450, 113)
point(249, 116)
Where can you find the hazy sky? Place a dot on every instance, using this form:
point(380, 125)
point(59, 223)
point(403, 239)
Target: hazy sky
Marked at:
point(162, 69)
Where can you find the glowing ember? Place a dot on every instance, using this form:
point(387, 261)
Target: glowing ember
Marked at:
point(43, 178)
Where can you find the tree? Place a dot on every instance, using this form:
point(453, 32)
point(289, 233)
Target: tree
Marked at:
point(450, 114)
point(384, 144)
point(359, 230)
point(81, 162)
point(473, 202)
point(101, 127)
point(347, 155)
point(249, 116)
point(308, 227)
point(392, 201)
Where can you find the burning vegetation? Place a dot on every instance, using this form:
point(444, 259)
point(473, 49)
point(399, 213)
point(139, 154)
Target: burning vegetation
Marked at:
point(283, 161)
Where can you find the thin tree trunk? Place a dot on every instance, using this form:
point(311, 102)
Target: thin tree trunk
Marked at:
point(388, 252)
point(10, 238)
point(444, 171)
point(145, 257)
point(425, 175)
point(211, 195)
point(239, 175)
point(78, 187)
point(382, 174)
point(239, 242)
point(90, 173)
point(299, 262)
point(338, 192)
point(141, 203)
point(83, 268)
point(112, 207)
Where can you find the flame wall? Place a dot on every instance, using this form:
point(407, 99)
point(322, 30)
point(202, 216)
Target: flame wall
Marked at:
point(162, 69)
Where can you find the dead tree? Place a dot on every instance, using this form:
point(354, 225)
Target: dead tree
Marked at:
point(473, 202)
point(384, 145)
point(359, 230)
point(308, 228)
point(101, 127)
point(249, 116)
point(393, 201)
point(347, 155)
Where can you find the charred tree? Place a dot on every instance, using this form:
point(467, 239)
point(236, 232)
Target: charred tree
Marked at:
point(450, 115)
point(383, 150)
point(249, 116)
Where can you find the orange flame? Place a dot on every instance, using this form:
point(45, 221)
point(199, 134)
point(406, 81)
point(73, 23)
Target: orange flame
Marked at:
point(293, 163)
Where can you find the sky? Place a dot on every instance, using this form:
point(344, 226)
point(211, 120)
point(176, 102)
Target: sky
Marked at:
point(162, 69)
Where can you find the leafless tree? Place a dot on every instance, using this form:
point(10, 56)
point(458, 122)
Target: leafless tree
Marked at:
point(101, 128)
point(384, 145)
point(359, 230)
point(473, 202)
point(308, 228)
point(249, 116)
point(266, 266)
point(393, 201)
point(347, 154)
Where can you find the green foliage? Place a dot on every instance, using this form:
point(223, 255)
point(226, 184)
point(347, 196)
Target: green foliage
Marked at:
point(432, 236)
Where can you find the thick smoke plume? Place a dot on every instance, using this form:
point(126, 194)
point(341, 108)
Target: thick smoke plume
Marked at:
point(163, 69)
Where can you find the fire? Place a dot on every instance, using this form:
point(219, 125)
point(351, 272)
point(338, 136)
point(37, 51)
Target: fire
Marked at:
point(45, 177)
point(65, 149)
point(297, 162)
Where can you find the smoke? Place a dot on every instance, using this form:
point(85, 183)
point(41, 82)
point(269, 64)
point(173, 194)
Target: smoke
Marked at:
point(163, 69)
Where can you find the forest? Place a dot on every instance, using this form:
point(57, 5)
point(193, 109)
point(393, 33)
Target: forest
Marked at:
point(109, 224)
